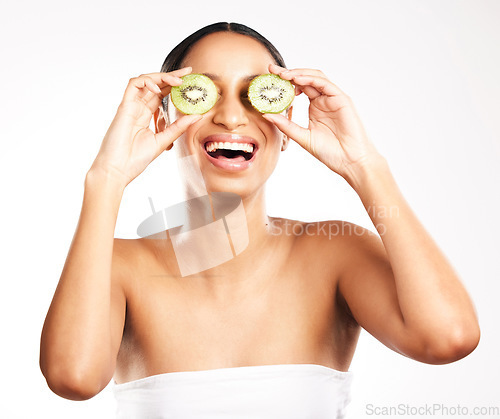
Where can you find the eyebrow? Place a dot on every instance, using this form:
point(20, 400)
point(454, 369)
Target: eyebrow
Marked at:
point(217, 78)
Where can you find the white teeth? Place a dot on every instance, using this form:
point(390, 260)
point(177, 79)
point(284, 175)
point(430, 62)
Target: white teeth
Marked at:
point(216, 145)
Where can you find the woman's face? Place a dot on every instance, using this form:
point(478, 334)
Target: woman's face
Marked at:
point(231, 61)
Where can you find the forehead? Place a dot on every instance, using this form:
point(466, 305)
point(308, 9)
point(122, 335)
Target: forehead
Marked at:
point(228, 55)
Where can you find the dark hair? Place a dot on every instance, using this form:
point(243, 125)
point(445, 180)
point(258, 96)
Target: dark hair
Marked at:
point(176, 56)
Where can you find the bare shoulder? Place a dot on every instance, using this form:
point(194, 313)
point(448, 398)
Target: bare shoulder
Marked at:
point(134, 259)
point(353, 241)
point(340, 244)
point(124, 253)
point(341, 236)
point(346, 253)
point(130, 252)
point(353, 249)
point(127, 254)
point(348, 238)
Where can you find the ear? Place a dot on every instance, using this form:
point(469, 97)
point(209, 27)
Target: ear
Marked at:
point(286, 140)
point(160, 123)
point(159, 118)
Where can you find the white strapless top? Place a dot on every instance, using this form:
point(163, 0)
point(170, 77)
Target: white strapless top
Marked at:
point(291, 391)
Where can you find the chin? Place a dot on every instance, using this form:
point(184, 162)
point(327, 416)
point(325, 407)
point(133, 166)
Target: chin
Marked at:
point(243, 187)
point(246, 183)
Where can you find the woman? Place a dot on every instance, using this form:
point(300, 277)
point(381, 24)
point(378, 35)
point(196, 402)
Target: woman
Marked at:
point(271, 331)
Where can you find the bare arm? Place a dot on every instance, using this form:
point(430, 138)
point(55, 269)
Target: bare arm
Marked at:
point(401, 288)
point(83, 328)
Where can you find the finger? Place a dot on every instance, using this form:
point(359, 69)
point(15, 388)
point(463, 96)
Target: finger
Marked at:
point(169, 80)
point(162, 79)
point(287, 74)
point(152, 86)
point(311, 92)
point(289, 128)
point(166, 89)
point(145, 82)
point(174, 78)
point(145, 89)
point(175, 130)
point(276, 69)
point(140, 87)
point(155, 101)
point(322, 85)
point(294, 74)
point(181, 72)
point(155, 82)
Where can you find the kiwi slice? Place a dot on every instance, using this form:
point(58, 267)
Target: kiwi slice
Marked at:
point(196, 95)
point(269, 93)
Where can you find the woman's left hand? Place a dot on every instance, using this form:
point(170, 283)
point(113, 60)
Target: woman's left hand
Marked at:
point(335, 134)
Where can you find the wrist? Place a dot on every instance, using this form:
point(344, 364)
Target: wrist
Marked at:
point(359, 173)
point(97, 177)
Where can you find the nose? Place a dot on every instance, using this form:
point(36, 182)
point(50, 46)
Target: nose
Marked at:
point(230, 112)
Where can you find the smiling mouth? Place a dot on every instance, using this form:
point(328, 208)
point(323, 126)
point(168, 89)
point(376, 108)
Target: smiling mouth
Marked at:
point(232, 151)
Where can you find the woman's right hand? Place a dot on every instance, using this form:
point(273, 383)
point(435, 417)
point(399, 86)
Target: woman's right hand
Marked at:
point(129, 145)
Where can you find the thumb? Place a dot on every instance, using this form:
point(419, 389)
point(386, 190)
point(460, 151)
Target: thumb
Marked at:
point(166, 137)
point(289, 128)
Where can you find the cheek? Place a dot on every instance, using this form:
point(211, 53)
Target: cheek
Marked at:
point(273, 135)
point(273, 146)
point(182, 145)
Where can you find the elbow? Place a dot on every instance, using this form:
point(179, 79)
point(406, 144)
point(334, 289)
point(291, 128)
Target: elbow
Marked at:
point(72, 385)
point(454, 345)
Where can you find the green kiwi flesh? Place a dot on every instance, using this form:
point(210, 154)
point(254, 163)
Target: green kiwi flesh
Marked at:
point(196, 95)
point(269, 93)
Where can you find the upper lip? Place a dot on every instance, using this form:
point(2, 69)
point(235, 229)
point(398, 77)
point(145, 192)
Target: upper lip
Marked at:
point(230, 138)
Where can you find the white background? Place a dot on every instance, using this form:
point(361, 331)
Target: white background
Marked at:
point(423, 76)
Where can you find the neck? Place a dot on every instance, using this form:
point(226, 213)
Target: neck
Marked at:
point(254, 215)
point(231, 258)
point(257, 220)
